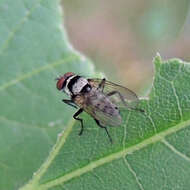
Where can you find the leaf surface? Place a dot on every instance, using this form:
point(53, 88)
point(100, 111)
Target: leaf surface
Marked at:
point(150, 151)
point(34, 50)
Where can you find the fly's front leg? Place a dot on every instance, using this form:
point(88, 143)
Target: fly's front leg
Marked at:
point(79, 119)
point(98, 123)
point(69, 102)
point(123, 100)
point(102, 84)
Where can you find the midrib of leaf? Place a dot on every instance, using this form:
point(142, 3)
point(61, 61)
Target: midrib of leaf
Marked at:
point(37, 71)
point(33, 184)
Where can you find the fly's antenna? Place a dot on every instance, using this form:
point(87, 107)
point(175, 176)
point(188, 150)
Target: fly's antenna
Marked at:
point(58, 77)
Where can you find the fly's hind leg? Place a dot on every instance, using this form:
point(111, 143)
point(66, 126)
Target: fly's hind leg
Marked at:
point(123, 100)
point(98, 123)
point(79, 119)
point(102, 84)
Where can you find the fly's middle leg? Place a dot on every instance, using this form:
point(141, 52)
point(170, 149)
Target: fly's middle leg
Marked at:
point(79, 119)
point(102, 84)
point(123, 100)
point(98, 123)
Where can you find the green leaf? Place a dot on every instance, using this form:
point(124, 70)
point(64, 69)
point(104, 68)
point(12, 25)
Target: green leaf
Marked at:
point(34, 50)
point(150, 151)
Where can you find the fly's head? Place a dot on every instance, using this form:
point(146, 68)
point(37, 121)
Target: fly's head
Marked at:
point(62, 81)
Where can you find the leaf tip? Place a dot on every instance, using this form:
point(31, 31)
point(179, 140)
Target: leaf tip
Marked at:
point(157, 60)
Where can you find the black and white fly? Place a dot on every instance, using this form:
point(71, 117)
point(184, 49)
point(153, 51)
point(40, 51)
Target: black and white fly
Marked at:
point(98, 97)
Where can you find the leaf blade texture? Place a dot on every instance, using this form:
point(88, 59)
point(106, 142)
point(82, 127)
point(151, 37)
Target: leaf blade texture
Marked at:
point(150, 150)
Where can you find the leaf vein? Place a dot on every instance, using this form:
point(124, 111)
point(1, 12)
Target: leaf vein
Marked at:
point(17, 27)
point(152, 122)
point(173, 149)
point(98, 177)
point(177, 100)
point(133, 173)
point(117, 155)
point(125, 130)
point(53, 153)
point(2, 118)
point(55, 150)
point(36, 71)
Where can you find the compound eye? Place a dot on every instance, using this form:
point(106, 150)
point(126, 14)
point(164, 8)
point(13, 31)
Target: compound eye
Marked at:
point(60, 83)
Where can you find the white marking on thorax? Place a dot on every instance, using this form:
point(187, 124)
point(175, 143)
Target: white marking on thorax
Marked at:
point(77, 87)
point(67, 91)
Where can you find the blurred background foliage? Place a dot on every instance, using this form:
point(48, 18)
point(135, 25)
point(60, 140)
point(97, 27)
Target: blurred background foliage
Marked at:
point(122, 37)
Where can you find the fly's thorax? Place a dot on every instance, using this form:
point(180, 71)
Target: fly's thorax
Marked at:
point(79, 85)
point(75, 85)
point(66, 89)
point(80, 100)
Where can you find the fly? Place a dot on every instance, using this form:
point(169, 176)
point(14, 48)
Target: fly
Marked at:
point(100, 98)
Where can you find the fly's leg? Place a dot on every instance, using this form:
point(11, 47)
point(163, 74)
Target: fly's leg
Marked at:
point(98, 123)
point(101, 85)
point(123, 100)
point(69, 102)
point(79, 119)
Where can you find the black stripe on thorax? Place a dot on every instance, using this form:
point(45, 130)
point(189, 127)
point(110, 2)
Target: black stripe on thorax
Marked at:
point(65, 82)
point(72, 82)
point(86, 88)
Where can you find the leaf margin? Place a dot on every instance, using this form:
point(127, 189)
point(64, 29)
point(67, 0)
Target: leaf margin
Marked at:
point(158, 137)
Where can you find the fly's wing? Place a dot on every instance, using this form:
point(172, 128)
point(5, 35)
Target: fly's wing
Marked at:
point(104, 118)
point(119, 95)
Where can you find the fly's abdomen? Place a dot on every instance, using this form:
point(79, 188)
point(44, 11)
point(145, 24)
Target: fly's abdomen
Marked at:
point(102, 109)
point(108, 108)
point(108, 112)
point(103, 104)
